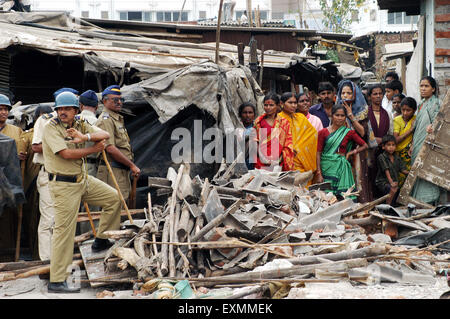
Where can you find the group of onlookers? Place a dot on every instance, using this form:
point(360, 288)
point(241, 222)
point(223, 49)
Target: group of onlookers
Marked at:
point(357, 140)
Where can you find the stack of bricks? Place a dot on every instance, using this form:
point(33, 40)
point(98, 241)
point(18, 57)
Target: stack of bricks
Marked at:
point(442, 46)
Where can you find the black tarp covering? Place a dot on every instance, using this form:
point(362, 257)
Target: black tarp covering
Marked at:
point(152, 144)
point(11, 192)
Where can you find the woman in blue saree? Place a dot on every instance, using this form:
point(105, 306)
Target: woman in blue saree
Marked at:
point(351, 97)
point(427, 111)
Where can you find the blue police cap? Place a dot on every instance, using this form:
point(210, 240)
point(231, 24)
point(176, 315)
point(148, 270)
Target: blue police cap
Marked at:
point(65, 90)
point(89, 98)
point(112, 89)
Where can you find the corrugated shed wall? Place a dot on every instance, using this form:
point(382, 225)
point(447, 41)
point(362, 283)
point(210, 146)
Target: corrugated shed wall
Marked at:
point(5, 63)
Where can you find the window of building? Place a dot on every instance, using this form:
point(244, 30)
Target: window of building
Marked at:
point(401, 18)
point(373, 15)
point(105, 15)
point(135, 15)
point(147, 16)
point(123, 15)
point(355, 15)
point(85, 14)
point(171, 16)
point(202, 14)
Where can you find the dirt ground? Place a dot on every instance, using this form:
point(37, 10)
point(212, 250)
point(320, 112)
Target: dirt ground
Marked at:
point(35, 288)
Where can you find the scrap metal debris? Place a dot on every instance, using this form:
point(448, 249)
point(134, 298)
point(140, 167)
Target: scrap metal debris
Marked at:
point(260, 234)
point(267, 228)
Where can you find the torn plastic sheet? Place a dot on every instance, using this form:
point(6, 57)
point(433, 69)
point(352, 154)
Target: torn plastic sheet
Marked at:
point(428, 238)
point(11, 192)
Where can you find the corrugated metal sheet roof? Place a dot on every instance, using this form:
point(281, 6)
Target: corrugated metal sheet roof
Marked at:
point(142, 53)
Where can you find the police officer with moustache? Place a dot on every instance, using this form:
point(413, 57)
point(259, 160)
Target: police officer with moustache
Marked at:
point(118, 148)
point(64, 159)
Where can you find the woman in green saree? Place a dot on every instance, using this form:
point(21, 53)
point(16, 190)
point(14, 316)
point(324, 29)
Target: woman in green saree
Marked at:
point(427, 111)
point(334, 147)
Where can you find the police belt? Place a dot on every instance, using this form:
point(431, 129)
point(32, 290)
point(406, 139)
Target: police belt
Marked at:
point(115, 165)
point(65, 178)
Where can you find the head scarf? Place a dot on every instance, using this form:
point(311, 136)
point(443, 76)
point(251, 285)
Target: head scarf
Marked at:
point(359, 104)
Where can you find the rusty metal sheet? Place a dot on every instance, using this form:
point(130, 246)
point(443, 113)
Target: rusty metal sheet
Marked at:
point(432, 163)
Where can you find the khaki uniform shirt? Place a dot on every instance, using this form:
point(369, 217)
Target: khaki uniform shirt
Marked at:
point(38, 158)
point(113, 123)
point(31, 169)
point(55, 139)
point(13, 132)
point(91, 119)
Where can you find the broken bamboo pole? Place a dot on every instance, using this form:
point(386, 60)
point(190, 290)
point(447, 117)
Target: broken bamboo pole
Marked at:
point(366, 206)
point(20, 266)
point(183, 223)
point(258, 289)
point(91, 221)
point(288, 272)
point(219, 20)
point(155, 248)
point(370, 251)
point(234, 243)
point(105, 159)
point(172, 220)
point(165, 248)
point(218, 220)
point(215, 222)
point(217, 281)
point(37, 271)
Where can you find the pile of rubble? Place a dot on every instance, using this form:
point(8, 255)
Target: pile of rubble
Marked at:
point(260, 234)
point(267, 228)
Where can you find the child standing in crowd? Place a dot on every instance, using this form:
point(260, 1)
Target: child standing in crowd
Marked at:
point(396, 107)
point(403, 132)
point(389, 168)
point(393, 87)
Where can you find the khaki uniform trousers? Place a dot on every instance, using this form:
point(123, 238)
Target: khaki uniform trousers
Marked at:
point(122, 177)
point(67, 198)
point(47, 218)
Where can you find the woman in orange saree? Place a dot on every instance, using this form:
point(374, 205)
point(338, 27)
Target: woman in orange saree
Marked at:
point(274, 137)
point(304, 135)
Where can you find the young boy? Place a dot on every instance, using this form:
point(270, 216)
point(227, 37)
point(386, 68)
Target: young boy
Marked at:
point(389, 167)
point(391, 88)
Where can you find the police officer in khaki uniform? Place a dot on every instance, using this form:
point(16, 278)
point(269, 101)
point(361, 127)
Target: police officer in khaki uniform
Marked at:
point(47, 212)
point(69, 184)
point(118, 148)
point(9, 130)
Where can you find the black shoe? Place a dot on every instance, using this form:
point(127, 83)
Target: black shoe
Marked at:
point(61, 287)
point(101, 244)
point(44, 276)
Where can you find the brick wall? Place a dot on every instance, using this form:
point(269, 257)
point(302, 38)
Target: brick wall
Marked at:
point(442, 45)
point(387, 38)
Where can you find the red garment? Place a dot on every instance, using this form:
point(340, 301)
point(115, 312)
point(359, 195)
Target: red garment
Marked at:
point(351, 136)
point(279, 134)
